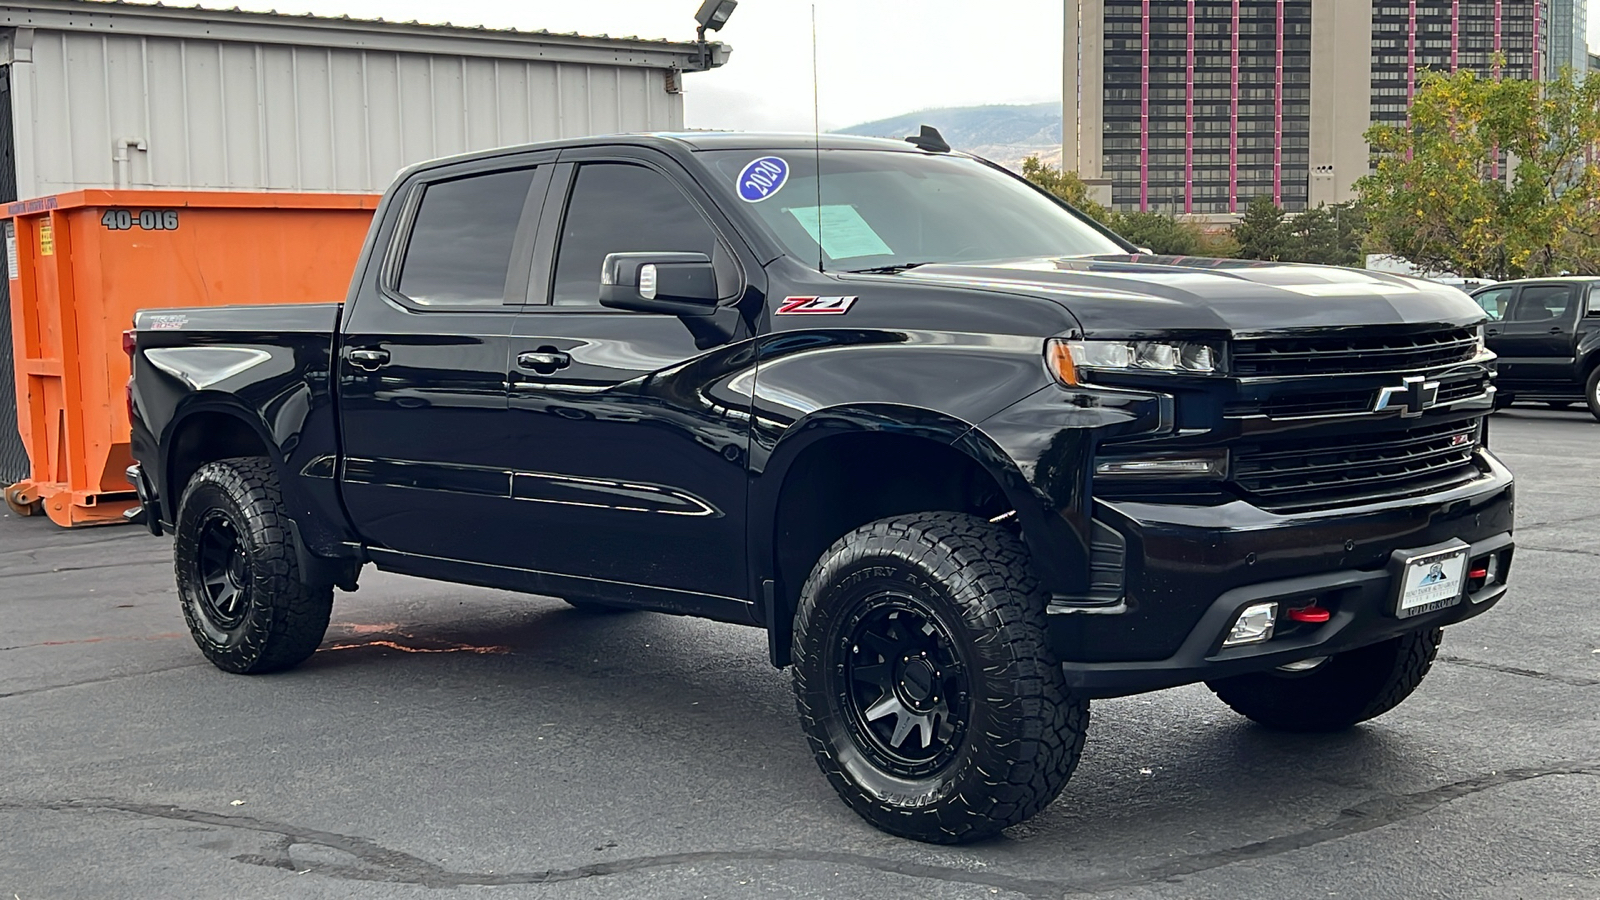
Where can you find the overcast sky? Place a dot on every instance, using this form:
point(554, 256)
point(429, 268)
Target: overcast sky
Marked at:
point(877, 58)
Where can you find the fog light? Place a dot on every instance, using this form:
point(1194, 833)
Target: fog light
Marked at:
point(1211, 466)
point(1254, 625)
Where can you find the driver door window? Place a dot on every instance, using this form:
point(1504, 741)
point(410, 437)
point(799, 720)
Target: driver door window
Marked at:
point(1495, 301)
point(1542, 303)
point(621, 208)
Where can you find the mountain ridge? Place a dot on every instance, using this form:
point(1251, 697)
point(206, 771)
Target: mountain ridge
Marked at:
point(1004, 133)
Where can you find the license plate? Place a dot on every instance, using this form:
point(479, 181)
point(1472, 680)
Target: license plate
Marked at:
point(1431, 582)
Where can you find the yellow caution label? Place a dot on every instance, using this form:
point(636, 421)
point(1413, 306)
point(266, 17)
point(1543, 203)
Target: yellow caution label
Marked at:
point(47, 239)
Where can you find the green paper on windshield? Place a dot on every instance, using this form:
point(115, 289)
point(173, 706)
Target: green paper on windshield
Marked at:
point(841, 231)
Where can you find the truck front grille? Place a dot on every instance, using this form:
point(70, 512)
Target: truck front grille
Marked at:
point(1341, 355)
point(1347, 402)
point(1343, 470)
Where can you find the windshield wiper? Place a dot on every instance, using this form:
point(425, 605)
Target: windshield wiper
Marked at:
point(889, 270)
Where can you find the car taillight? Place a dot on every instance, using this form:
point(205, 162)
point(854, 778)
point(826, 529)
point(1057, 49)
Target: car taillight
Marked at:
point(128, 342)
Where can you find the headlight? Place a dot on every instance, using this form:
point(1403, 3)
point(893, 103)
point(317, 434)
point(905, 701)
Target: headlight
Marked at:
point(1067, 358)
point(1481, 345)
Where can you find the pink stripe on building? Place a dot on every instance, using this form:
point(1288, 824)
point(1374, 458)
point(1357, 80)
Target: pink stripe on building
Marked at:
point(1494, 166)
point(1144, 107)
point(1233, 119)
point(1538, 70)
point(1455, 33)
point(1188, 121)
point(1411, 55)
point(1277, 116)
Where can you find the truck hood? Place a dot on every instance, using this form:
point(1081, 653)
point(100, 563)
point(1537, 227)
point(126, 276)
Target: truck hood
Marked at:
point(1130, 295)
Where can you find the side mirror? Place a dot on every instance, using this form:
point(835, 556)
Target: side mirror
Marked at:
point(676, 284)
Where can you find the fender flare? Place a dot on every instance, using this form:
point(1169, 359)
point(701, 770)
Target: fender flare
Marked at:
point(771, 468)
point(315, 568)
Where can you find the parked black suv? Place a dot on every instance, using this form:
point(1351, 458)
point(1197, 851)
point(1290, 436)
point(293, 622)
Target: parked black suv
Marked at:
point(1546, 332)
point(968, 459)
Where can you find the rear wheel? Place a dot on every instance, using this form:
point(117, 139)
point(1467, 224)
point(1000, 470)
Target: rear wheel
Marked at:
point(238, 576)
point(1348, 688)
point(1591, 392)
point(924, 682)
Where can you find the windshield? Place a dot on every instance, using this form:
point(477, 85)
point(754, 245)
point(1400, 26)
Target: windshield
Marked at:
point(888, 210)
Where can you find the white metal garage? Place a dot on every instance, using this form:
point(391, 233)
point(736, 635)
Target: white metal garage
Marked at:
point(125, 95)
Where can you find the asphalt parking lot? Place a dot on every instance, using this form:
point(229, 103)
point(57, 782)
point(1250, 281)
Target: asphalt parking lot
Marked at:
point(450, 741)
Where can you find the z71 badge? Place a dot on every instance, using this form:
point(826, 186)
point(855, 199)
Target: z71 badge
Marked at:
point(814, 306)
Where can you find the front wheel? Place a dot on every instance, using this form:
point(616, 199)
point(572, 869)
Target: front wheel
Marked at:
point(238, 576)
point(1591, 392)
point(924, 682)
point(1349, 688)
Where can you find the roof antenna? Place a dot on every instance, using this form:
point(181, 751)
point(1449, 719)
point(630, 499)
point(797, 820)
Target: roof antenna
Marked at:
point(930, 140)
point(816, 134)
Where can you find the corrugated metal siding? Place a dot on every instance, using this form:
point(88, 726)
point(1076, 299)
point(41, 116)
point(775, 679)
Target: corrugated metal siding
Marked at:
point(246, 116)
point(13, 456)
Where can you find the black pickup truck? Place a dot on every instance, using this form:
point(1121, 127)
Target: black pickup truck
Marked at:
point(970, 460)
point(1546, 333)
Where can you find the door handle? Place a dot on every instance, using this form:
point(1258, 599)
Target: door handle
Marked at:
point(369, 359)
point(1491, 332)
point(545, 360)
point(1556, 330)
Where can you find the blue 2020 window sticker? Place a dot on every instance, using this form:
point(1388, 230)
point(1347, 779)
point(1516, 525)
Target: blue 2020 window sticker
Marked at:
point(762, 178)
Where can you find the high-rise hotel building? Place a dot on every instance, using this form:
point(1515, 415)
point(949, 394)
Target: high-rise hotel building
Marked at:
point(1198, 106)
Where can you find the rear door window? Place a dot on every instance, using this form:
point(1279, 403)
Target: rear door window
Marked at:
point(1542, 302)
point(462, 239)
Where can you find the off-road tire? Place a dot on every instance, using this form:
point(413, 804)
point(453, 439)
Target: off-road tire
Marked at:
point(1349, 688)
point(1023, 730)
point(280, 620)
point(1591, 392)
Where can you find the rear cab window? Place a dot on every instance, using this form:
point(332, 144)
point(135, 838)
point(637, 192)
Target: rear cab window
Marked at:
point(464, 235)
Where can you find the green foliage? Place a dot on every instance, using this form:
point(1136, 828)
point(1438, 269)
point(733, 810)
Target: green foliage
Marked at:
point(1328, 234)
point(1325, 235)
point(1435, 198)
point(1262, 233)
point(1066, 185)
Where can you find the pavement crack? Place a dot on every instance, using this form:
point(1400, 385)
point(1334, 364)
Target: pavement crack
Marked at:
point(1366, 816)
point(382, 864)
point(1573, 680)
point(111, 565)
point(376, 863)
point(1522, 548)
point(88, 681)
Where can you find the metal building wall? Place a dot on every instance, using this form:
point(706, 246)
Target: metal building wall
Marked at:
point(233, 115)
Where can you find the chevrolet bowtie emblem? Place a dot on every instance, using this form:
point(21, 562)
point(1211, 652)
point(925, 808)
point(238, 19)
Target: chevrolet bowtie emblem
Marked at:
point(1414, 395)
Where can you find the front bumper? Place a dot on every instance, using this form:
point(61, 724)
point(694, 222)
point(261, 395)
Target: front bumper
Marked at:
point(1190, 569)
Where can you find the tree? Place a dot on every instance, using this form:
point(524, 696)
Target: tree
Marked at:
point(1327, 235)
point(1158, 232)
point(1262, 233)
point(1065, 184)
point(1492, 179)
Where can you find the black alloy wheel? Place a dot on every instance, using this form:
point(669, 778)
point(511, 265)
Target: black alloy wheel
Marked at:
point(224, 565)
point(248, 606)
point(924, 680)
point(904, 684)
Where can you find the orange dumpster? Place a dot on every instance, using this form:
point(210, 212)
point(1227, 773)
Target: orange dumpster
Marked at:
point(81, 263)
